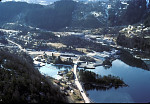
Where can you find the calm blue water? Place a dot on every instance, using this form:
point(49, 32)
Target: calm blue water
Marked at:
point(137, 79)
point(52, 70)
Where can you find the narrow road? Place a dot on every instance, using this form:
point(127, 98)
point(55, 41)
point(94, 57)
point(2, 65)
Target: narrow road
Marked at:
point(86, 99)
point(42, 52)
point(19, 46)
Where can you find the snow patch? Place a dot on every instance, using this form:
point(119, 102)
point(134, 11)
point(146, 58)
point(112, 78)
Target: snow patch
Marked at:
point(147, 3)
point(96, 14)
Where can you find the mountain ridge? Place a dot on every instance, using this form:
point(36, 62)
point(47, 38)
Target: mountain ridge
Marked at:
point(45, 2)
point(64, 14)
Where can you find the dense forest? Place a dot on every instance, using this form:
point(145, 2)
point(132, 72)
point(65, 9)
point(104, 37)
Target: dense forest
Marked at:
point(20, 82)
point(147, 21)
point(12, 11)
point(101, 81)
point(60, 16)
point(135, 12)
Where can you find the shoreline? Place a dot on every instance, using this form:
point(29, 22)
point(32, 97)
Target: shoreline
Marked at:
point(69, 94)
point(74, 80)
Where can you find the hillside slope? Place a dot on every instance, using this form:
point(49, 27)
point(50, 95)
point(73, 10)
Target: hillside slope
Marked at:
point(20, 82)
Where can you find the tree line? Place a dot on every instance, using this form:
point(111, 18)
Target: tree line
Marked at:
point(21, 82)
point(91, 78)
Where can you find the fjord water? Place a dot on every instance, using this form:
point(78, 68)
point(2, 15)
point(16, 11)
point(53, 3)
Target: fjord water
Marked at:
point(138, 80)
point(52, 70)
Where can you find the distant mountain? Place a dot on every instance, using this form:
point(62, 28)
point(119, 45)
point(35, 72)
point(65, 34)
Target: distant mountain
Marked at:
point(46, 2)
point(42, 2)
point(67, 13)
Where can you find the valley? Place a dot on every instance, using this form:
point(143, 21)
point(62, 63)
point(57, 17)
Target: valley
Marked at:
point(84, 51)
point(42, 51)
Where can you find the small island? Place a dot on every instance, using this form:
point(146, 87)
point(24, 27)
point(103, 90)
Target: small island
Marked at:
point(92, 80)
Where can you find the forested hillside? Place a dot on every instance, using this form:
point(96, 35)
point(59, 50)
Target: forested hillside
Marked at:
point(13, 11)
point(147, 21)
point(54, 18)
point(131, 12)
point(20, 82)
point(68, 13)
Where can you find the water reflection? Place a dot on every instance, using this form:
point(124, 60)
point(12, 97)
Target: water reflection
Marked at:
point(60, 66)
point(52, 70)
point(107, 67)
point(137, 79)
point(128, 58)
point(88, 87)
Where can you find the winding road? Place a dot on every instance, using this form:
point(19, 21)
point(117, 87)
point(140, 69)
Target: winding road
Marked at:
point(86, 99)
point(19, 46)
point(78, 84)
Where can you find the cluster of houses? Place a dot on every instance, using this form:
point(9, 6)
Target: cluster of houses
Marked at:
point(124, 4)
point(103, 55)
point(107, 40)
point(66, 86)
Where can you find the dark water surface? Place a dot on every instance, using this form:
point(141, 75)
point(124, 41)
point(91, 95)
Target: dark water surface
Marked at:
point(137, 79)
